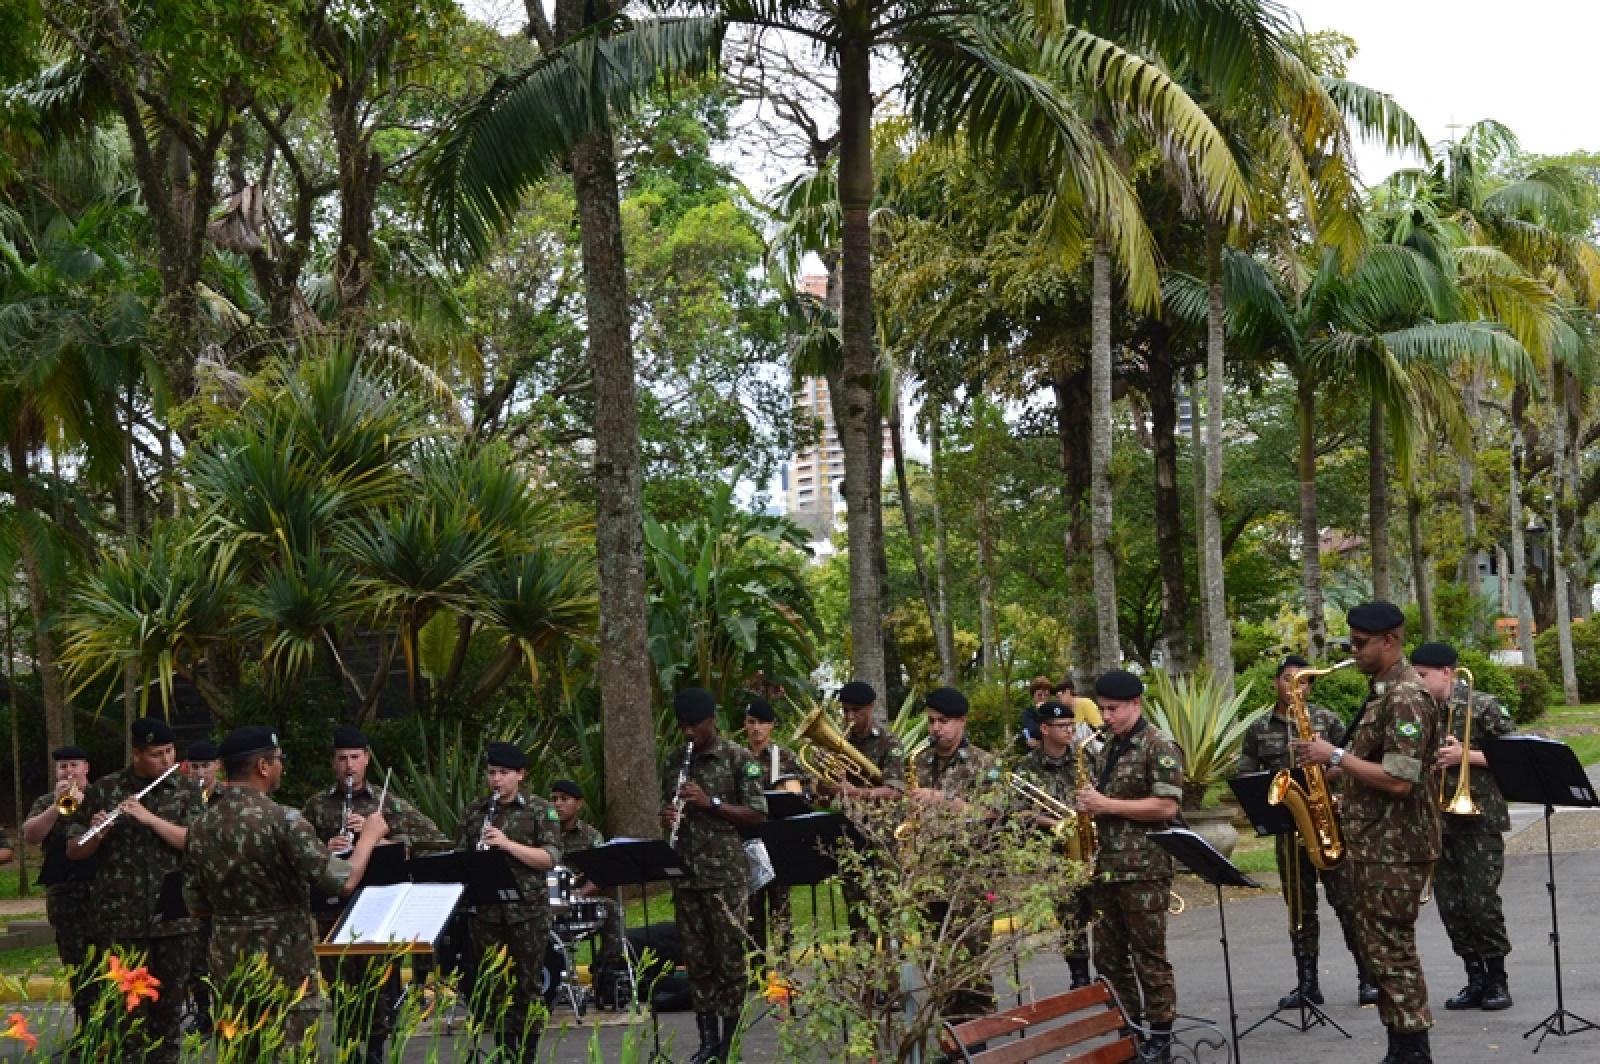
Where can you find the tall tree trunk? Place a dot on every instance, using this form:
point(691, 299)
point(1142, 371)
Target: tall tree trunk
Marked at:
point(16, 743)
point(1219, 636)
point(859, 375)
point(1519, 549)
point(1378, 502)
point(1108, 648)
point(1579, 596)
point(1503, 567)
point(1419, 564)
point(1197, 459)
point(987, 633)
point(1466, 476)
point(908, 512)
point(1072, 389)
point(130, 529)
point(59, 726)
point(894, 684)
point(1168, 500)
point(1559, 393)
point(941, 546)
point(1310, 533)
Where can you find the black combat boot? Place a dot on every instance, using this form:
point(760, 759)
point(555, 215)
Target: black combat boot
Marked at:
point(1307, 989)
point(1158, 1047)
point(1471, 995)
point(1411, 1047)
point(374, 1053)
point(1366, 990)
point(1078, 965)
point(1389, 1053)
point(710, 1039)
point(1496, 994)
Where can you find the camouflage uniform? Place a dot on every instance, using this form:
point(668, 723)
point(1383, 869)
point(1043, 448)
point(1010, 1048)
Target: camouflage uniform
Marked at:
point(710, 903)
point(522, 928)
point(585, 836)
point(1058, 776)
point(972, 775)
point(769, 906)
point(1466, 881)
point(69, 904)
point(883, 750)
point(1133, 876)
point(348, 976)
point(1393, 842)
point(127, 895)
point(1266, 749)
point(248, 865)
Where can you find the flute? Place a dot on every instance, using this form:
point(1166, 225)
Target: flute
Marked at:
point(117, 812)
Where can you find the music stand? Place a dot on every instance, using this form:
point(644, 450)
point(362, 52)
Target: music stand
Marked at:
point(1272, 821)
point(1198, 855)
point(385, 867)
point(1539, 771)
point(486, 874)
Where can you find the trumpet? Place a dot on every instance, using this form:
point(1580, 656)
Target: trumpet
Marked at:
point(1461, 802)
point(69, 800)
point(117, 812)
point(488, 820)
point(677, 798)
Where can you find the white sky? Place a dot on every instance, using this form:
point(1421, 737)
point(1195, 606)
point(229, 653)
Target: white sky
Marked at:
point(1529, 64)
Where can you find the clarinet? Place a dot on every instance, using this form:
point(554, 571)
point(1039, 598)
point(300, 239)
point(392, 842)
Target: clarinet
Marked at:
point(677, 799)
point(488, 819)
point(349, 808)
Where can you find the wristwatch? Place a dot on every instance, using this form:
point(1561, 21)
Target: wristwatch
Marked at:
point(1336, 757)
point(716, 803)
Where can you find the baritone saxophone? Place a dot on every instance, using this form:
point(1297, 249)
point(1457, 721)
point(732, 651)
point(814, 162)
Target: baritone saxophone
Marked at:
point(1311, 806)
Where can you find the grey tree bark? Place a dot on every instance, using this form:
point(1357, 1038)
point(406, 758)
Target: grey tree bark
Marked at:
point(1219, 636)
point(1378, 502)
point(1559, 393)
point(941, 638)
point(1108, 648)
point(1162, 394)
point(1519, 549)
point(941, 546)
point(1197, 456)
point(59, 725)
point(1419, 565)
point(1310, 534)
point(1466, 476)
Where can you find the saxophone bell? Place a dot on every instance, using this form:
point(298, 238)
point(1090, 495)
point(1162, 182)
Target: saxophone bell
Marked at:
point(1311, 805)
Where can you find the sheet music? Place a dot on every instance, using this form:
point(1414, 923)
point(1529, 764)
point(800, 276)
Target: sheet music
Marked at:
point(401, 912)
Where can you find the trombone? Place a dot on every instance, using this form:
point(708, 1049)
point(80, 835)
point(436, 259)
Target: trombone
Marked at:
point(1460, 803)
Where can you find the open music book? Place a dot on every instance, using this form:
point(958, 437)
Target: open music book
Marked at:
point(399, 912)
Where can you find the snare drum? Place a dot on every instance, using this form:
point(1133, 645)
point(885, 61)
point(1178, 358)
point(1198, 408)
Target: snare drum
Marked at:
point(581, 917)
point(558, 883)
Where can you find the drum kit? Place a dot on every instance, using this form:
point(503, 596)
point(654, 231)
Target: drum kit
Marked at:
point(573, 920)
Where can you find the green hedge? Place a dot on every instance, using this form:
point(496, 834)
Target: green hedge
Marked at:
point(1586, 657)
point(1536, 693)
point(993, 715)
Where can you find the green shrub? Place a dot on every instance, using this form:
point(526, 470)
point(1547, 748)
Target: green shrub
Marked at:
point(993, 716)
point(1252, 644)
point(1585, 653)
point(1262, 677)
point(1343, 692)
point(1535, 693)
point(1492, 679)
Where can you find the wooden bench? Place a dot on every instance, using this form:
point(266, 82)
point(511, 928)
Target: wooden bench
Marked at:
point(1086, 1022)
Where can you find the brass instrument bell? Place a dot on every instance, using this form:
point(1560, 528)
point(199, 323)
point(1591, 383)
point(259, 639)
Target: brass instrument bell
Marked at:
point(1461, 803)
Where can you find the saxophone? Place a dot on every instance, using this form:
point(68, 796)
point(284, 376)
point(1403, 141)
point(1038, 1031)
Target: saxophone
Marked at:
point(1085, 842)
point(1315, 819)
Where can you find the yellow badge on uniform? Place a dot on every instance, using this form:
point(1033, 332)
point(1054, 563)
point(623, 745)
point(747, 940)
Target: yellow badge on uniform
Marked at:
point(1167, 761)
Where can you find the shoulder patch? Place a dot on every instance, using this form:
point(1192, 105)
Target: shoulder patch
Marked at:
point(1167, 761)
point(1407, 729)
point(993, 775)
point(550, 813)
point(751, 769)
point(291, 815)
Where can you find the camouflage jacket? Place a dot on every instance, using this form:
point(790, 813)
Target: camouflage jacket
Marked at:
point(1057, 775)
point(248, 865)
point(1489, 717)
point(1266, 743)
point(70, 880)
point(531, 821)
point(883, 750)
point(1145, 763)
point(708, 844)
point(964, 774)
point(581, 836)
point(1398, 728)
point(788, 765)
point(407, 825)
point(133, 861)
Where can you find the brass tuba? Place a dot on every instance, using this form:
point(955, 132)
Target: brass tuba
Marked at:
point(1311, 806)
point(1461, 803)
point(827, 755)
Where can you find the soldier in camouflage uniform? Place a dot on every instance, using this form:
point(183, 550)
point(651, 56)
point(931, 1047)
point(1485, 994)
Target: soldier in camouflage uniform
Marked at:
point(249, 866)
point(573, 834)
point(879, 746)
point(1138, 788)
point(1466, 881)
point(69, 901)
point(1266, 749)
point(769, 906)
point(1053, 766)
point(524, 827)
point(951, 772)
point(347, 977)
point(1390, 819)
point(721, 795)
point(136, 854)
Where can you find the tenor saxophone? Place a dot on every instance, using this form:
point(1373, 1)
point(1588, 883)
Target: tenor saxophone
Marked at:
point(1311, 806)
point(1085, 836)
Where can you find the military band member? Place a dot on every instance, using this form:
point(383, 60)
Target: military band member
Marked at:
point(524, 827)
point(200, 764)
point(348, 976)
point(953, 774)
point(722, 794)
point(1390, 819)
point(769, 906)
point(574, 834)
point(1466, 881)
point(879, 746)
point(1266, 749)
point(1052, 765)
point(135, 854)
point(68, 900)
point(249, 865)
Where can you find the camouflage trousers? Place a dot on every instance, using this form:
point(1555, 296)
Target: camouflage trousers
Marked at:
point(69, 913)
point(1074, 915)
point(770, 919)
point(1384, 899)
point(1466, 883)
point(526, 943)
point(970, 921)
point(168, 959)
point(1298, 878)
point(1130, 947)
point(711, 922)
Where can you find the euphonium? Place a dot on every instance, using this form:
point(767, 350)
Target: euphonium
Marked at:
point(1461, 803)
point(70, 799)
point(827, 755)
point(1312, 805)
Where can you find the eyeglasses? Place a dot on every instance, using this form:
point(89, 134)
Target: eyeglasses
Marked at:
point(279, 758)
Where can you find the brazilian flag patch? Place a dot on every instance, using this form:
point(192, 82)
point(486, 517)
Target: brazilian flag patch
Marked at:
point(1407, 729)
point(1167, 761)
point(751, 769)
point(550, 813)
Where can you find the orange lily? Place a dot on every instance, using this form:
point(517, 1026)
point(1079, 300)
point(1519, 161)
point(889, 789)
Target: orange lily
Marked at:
point(778, 991)
point(18, 1028)
point(135, 984)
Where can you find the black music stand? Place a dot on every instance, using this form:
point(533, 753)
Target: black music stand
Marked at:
point(1539, 771)
point(1272, 821)
point(385, 867)
point(1198, 855)
point(486, 874)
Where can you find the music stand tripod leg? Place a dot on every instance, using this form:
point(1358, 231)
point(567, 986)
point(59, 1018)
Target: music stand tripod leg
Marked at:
point(1556, 1022)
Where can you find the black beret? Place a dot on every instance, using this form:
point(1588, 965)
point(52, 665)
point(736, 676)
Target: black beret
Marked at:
point(1119, 684)
point(1054, 711)
point(760, 709)
point(567, 787)
point(1293, 661)
point(69, 753)
point(946, 700)
point(505, 755)
point(1435, 655)
point(152, 731)
point(201, 750)
point(349, 737)
point(693, 705)
point(1375, 617)
point(251, 739)
point(857, 693)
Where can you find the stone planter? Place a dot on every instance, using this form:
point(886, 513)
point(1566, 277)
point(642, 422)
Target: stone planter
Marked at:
point(1215, 826)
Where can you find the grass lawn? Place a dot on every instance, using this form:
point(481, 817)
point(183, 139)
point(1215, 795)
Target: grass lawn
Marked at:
point(31, 960)
point(1577, 726)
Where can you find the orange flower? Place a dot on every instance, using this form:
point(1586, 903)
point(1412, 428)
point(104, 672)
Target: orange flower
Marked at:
point(135, 984)
point(18, 1029)
point(778, 991)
